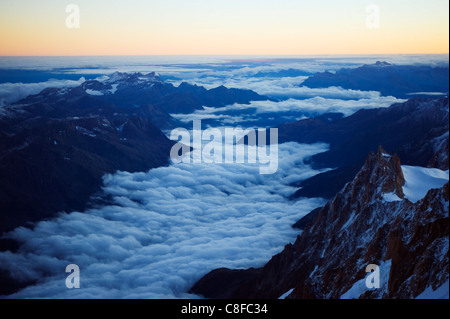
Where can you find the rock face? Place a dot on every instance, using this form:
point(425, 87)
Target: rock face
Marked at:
point(52, 165)
point(358, 227)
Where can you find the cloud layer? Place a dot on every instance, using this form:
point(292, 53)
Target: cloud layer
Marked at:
point(13, 92)
point(295, 100)
point(291, 109)
point(166, 229)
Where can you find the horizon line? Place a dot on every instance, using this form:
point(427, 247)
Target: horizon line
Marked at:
point(222, 55)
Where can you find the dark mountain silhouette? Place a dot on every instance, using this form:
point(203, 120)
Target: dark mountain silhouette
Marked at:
point(397, 80)
point(51, 165)
point(146, 95)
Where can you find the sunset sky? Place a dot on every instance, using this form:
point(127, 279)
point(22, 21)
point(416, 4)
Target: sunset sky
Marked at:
point(183, 27)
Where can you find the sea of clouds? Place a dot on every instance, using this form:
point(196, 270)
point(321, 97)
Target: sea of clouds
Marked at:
point(165, 229)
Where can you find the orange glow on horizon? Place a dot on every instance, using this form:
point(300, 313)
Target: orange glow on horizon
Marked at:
point(276, 30)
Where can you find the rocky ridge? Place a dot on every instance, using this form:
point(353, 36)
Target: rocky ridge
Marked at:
point(358, 227)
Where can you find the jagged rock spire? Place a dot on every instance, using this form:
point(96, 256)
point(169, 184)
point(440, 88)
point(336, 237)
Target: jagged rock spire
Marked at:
point(356, 228)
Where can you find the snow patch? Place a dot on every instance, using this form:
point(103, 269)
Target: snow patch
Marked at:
point(93, 92)
point(419, 180)
point(391, 197)
point(350, 221)
point(286, 294)
point(85, 131)
point(313, 272)
point(116, 76)
point(114, 88)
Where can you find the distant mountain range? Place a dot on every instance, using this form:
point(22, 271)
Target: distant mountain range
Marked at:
point(144, 95)
point(402, 81)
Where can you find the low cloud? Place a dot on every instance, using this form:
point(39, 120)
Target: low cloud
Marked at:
point(293, 109)
point(166, 229)
point(319, 105)
point(285, 88)
point(13, 92)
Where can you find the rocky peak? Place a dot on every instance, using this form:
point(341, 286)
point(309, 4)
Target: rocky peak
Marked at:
point(117, 77)
point(358, 227)
point(119, 81)
point(381, 174)
point(381, 64)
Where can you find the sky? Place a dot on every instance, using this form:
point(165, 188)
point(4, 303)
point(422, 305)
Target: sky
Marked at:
point(208, 27)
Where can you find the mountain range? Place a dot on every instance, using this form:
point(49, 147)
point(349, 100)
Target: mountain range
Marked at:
point(403, 81)
point(55, 146)
point(387, 205)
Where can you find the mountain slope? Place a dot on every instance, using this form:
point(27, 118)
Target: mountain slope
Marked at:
point(145, 95)
point(368, 222)
point(51, 165)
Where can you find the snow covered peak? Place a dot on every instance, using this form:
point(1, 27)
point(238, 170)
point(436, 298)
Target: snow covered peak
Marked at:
point(118, 77)
point(382, 64)
point(395, 182)
point(381, 174)
point(118, 81)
